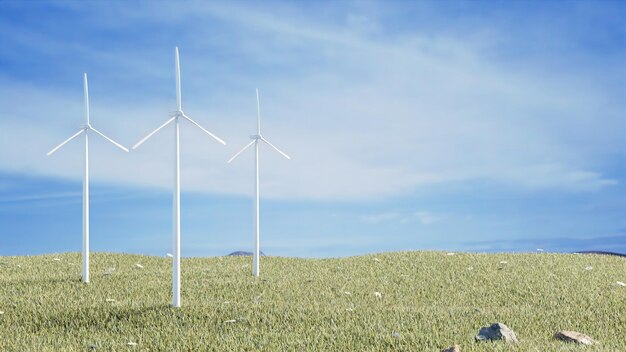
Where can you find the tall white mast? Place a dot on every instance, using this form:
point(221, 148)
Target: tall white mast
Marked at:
point(176, 220)
point(175, 117)
point(86, 129)
point(85, 253)
point(255, 260)
point(176, 196)
point(255, 140)
point(86, 212)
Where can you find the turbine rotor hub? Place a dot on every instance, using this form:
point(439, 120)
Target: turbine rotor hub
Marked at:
point(177, 113)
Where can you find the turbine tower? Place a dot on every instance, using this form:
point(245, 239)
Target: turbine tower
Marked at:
point(85, 130)
point(175, 117)
point(255, 141)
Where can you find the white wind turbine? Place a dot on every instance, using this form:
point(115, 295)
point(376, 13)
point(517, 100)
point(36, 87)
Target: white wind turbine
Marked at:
point(85, 130)
point(175, 117)
point(255, 141)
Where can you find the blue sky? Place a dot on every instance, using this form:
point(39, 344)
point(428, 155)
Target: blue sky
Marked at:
point(465, 126)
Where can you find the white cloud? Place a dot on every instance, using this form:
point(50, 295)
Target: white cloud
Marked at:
point(423, 217)
point(382, 217)
point(555, 176)
point(362, 115)
point(43, 197)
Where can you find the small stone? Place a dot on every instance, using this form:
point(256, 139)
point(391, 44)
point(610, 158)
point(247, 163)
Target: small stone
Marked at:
point(395, 334)
point(376, 260)
point(378, 295)
point(57, 259)
point(504, 262)
point(347, 293)
point(450, 253)
point(230, 321)
point(130, 343)
point(454, 348)
point(470, 268)
point(621, 283)
point(139, 266)
point(1, 312)
point(110, 300)
point(497, 331)
point(109, 271)
point(92, 346)
point(589, 267)
point(573, 336)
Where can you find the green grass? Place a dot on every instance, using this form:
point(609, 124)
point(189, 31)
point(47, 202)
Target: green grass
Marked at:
point(431, 299)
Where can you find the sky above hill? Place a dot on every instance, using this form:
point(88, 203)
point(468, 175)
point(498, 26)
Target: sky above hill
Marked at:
point(477, 126)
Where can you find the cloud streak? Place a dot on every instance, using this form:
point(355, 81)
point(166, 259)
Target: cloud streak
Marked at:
point(365, 111)
point(423, 217)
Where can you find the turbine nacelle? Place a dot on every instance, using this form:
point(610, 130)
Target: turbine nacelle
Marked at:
point(256, 136)
point(177, 113)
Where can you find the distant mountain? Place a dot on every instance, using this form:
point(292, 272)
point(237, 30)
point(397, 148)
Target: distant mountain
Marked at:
point(601, 252)
point(605, 244)
point(243, 254)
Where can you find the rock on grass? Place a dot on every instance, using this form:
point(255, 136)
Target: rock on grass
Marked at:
point(497, 331)
point(574, 336)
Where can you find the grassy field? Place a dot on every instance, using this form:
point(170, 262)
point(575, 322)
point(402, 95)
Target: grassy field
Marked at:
point(430, 299)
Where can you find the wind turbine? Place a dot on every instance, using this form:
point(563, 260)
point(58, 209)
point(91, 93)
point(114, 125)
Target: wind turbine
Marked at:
point(174, 118)
point(85, 130)
point(255, 141)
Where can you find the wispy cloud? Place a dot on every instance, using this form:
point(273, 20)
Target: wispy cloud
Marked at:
point(426, 218)
point(41, 197)
point(365, 110)
point(423, 217)
point(382, 217)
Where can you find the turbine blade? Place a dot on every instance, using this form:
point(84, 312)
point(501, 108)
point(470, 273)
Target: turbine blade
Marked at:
point(109, 139)
point(86, 93)
point(204, 129)
point(64, 142)
point(273, 146)
point(241, 151)
point(258, 113)
point(178, 97)
point(153, 132)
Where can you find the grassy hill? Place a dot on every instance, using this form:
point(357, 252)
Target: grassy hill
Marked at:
point(431, 299)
